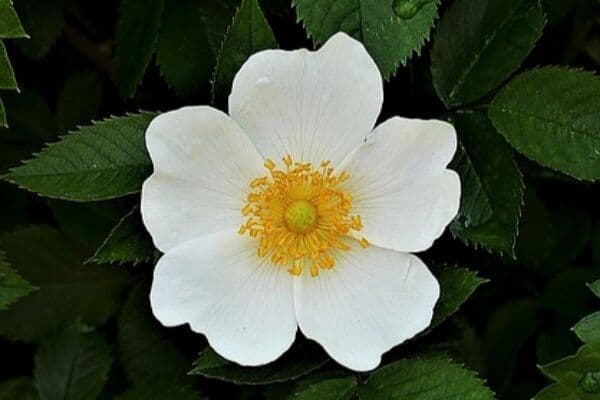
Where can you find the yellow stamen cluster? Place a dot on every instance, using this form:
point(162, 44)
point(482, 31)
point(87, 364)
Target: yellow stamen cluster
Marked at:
point(300, 216)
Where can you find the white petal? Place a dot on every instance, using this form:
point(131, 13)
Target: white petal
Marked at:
point(373, 300)
point(203, 163)
point(217, 284)
point(402, 190)
point(315, 106)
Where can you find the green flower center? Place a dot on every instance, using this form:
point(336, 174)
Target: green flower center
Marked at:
point(301, 216)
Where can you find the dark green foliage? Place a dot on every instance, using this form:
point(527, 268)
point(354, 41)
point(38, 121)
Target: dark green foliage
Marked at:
point(248, 33)
point(127, 242)
point(499, 180)
point(72, 364)
point(67, 289)
point(101, 161)
point(468, 60)
point(518, 80)
point(12, 286)
point(42, 20)
point(137, 33)
point(431, 378)
point(146, 350)
point(390, 39)
point(301, 360)
point(183, 52)
point(550, 115)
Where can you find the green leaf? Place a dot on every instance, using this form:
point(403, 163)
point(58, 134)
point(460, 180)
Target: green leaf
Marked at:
point(301, 360)
point(328, 389)
point(390, 39)
point(79, 100)
point(127, 242)
point(508, 329)
point(11, 26)
point(431, 378)
point(137, 32)
point(216, 16)
point(7, 76)
point(248, 33)
point(67, 289)
point(160, 391)
point(72, 365)
point(42, 19)
point(12, 286)
point(101, 161)
point(148, 352)
point(588, 329)
point(479, 44)
point(475, 204)
point(183, 54)
point(550, 115)
point(18, 389)
point(457, 285)
point(578, 377)
point(501, 180)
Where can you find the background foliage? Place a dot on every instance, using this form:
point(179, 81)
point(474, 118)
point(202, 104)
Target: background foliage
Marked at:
point(516, 77)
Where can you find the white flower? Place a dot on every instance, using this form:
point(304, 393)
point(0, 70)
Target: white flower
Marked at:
point(328, 218)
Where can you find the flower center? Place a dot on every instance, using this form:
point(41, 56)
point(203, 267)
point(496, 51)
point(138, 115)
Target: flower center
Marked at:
point(301, 216)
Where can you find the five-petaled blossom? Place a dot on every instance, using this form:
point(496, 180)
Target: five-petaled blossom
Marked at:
point(293, 212)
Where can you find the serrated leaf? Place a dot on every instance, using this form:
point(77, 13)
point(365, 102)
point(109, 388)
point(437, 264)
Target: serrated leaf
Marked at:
point(147, 351)
point(501, 180)
point(457, 285)
point(160, 391)
point(79, 100)
point(248, 33)
point(183, 53)
point(42, 19)
point(550, 115)
point(67, 289)
point(216, 16)
point(72, 365)
point(431, 378)
point(127, 242)
point(11, 26)
point(18, 389)
point(478, 44)
point(7, 75)
point(97, 162)
point(137, 32)
point(475, 205)
point(12, 286)
point(390, 40)
point(327, 389)
point(301, 360)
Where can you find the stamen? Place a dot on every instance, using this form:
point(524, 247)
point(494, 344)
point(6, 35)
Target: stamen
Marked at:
point(300, 215)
